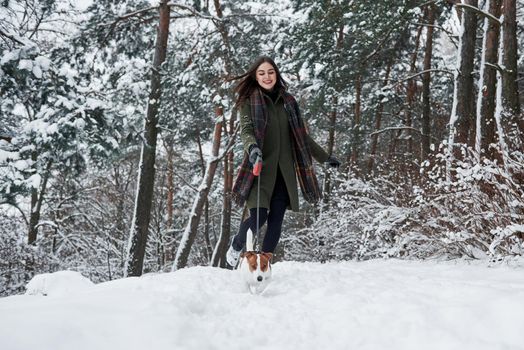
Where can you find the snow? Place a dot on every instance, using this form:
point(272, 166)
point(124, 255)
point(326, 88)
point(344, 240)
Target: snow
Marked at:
point(37, 72)
point(34, 181)
point(61, 284)
point(43, 62)
point(377, 304)
point(7, 155)
point(36, 126)
point(22, 164)
point(25, 64)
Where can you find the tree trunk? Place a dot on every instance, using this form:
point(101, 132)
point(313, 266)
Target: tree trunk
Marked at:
point(410, 93)
point(426, 79)
point(378, 123)
point(412, 90)
point(221, 26)
point(34, 217)
point(330, 146)
point(207, 226)
point(170, 195)
point(464, 102)
point(170, 181)
point(353, 154)
point(36, 202)
point(228, 189)
point(209, 248)
point(201, 153)
point(218, 258)
point(190, 232)
point(510, 89)
point(486, 125)
point(146, 177)
point(119, 200)
point(332, 122)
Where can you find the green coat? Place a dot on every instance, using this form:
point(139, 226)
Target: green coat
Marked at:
point(277, 151)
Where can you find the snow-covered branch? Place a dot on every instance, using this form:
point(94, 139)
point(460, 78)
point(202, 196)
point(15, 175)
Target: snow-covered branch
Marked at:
point(480, 12)
point(10, 37)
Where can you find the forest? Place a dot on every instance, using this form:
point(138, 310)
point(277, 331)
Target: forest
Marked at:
point(119, 136)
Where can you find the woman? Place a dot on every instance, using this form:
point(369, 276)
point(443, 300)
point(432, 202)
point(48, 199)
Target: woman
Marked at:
point(272, 129)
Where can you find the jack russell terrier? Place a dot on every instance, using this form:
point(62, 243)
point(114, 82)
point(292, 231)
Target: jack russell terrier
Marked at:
point(255, 267)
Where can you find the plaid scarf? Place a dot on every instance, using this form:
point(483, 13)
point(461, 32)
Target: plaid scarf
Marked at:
point(301, 152)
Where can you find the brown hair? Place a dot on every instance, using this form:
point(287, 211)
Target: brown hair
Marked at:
point(248, 81)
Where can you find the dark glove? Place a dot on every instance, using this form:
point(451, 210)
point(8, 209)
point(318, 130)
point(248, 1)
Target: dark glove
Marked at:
point(254, 153)
point(333, 162)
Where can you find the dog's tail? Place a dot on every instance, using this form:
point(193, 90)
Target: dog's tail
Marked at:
point(249, 241)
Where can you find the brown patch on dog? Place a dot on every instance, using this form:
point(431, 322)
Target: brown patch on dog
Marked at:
point(265, 261)
point(252, 260)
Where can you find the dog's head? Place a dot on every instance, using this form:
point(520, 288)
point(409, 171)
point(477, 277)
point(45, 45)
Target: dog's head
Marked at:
point(256, 267)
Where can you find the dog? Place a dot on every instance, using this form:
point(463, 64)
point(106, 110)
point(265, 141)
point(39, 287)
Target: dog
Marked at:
point(255, 267)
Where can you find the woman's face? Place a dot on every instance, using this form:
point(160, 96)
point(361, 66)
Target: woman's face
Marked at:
point(266, 76)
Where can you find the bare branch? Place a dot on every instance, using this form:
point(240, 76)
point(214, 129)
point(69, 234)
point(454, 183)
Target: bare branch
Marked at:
point(393, 128)
point(194, 12)
point(426, 71)
point(449, 34)
point(229, 145)
point(180, 177)
point(131, 14)
point(113, 24)
point(379, 46)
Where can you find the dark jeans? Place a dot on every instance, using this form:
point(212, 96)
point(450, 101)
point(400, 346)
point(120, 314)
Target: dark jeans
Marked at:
point(277, 208)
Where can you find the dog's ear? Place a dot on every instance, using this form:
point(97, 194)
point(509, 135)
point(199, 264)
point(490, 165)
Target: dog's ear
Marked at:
point(247, 254)
point(268, 255)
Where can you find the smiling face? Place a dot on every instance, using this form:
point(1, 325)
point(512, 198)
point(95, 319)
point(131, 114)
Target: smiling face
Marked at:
point(266, 76)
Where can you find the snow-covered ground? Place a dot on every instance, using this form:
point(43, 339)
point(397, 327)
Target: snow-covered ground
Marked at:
point(380, 304)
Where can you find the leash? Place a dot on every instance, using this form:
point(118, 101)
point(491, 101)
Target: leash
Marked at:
point(257, 169)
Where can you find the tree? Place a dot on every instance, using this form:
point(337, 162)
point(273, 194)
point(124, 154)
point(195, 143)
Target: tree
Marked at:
point(510, 57)
point(486, 124)
point(378, 124)
point(462, 114)
point(199, 201)
point(144, 198)
point(57, 126)
point(426, 79)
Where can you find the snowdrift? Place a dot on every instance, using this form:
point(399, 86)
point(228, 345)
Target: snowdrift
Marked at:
point(379, 304)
